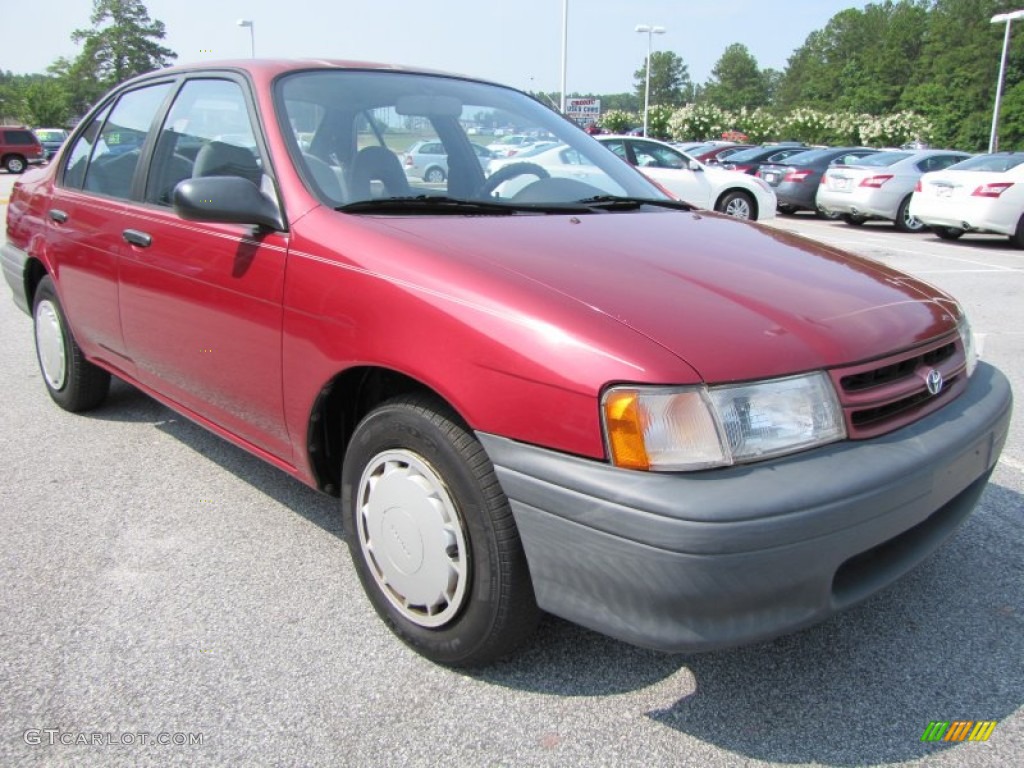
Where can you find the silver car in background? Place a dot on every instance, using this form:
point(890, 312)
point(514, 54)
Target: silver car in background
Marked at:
point(427, 160)
point(879, 186)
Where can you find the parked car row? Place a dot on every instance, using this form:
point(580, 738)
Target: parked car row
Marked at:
point(21, 147)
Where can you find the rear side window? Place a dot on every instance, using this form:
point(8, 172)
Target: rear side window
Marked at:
point(939, 162)
point(996, 163)
point(20, 138)
point(113, 156)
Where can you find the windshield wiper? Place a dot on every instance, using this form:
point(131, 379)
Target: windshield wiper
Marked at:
point(439, 204)
point(619, 203)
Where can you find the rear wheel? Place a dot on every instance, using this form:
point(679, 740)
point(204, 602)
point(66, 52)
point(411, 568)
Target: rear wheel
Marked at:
point(1017, 238)
point(904, 221)
point(830, 215)
point(73, 382)
point(434, 175)
point(738, 204)
point(948, 233)
point(788, 210)
point(853, 221)
point(432, 535)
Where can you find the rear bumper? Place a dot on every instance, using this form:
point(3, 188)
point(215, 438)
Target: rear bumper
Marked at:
point(697, 561)
point(972, 214)
point(871, 203)
point(13, 260)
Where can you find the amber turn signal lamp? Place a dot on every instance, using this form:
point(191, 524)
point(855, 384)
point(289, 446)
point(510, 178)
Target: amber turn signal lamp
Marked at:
point(624, 426)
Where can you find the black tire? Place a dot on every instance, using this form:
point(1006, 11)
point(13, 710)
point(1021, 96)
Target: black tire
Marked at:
point(412, 469)
point(15, 164)
point(1017, 238)
point(739, 205)
point(434, 175)
point(853, 221)
point(948, 233)
point(73, 382)
point(904, 221)
point(785, 209)
point(834, 216)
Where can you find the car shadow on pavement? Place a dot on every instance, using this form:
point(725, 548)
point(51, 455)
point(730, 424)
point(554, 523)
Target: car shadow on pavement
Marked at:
point(944, 644)
point(125, 403)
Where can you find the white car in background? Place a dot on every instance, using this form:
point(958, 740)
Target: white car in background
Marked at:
point(704, 186)
point(507, 146)
point(553, 160)
point(981, 194)
point(879, 186)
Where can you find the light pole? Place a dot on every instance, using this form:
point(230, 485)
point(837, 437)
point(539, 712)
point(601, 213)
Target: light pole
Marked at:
point(565, 47)
point(252, 34)
point(647, 89)
point(999, 18)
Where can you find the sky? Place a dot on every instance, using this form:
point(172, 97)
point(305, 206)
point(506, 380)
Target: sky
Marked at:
point(516, 42)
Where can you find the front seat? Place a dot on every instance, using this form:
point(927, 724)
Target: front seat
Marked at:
point(217, 158)
point(377, 164)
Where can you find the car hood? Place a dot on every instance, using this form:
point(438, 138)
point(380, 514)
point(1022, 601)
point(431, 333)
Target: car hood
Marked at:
point(734, 300)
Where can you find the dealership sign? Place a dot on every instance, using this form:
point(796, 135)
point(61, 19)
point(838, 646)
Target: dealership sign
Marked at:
point(583, 109)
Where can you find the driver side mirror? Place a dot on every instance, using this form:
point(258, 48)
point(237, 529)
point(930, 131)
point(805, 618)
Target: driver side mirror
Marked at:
point(229, 199)
point(693, 165)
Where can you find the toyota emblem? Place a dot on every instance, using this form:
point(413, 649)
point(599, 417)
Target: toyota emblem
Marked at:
point(933, 381)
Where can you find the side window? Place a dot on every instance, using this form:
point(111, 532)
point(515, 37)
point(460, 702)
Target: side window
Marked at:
point(207, 132)
point(78, 157)
point(115, 155)
point(618, 147)
point(940, 162)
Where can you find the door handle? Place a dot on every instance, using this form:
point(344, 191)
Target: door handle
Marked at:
point(136, 237)
point(58, 215)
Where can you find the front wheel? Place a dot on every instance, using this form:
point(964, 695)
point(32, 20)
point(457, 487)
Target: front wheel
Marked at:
point(904, 221)
point(73, 382)
point(737, 204)
point(432, 535)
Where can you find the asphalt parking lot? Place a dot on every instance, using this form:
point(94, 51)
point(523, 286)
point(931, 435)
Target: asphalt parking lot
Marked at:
point(159, 582)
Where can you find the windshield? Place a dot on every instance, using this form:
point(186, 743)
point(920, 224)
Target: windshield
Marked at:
point(753, 153)
point(997, 163)
point(54, 135)
point(351, 132)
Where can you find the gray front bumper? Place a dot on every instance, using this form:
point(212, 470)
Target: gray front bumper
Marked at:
point(703, 560)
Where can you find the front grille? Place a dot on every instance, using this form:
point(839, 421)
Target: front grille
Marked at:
point(886, 394)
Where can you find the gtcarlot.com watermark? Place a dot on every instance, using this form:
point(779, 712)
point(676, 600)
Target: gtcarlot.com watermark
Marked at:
point(53, 736)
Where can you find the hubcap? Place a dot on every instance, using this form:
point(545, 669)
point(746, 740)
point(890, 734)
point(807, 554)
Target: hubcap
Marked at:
point(912, 223)
point(50, 344)
point(412, 538)
point(15, 166)
point(738, 207)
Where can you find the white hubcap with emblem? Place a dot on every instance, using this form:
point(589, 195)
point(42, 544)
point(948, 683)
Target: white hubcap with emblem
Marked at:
point(412, 537)
point(50, 344)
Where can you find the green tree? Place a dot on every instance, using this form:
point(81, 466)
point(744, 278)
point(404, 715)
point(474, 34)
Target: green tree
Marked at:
point(46, 102)
point(670, 80)
point(121, 43)
point(736, 81)
point(861, 61)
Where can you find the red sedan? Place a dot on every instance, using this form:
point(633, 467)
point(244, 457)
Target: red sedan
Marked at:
point(571, 394)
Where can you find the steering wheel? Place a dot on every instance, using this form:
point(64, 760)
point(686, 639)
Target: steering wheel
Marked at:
point(507, 172)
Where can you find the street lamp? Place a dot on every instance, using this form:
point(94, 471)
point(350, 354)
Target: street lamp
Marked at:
point(252, 34)
point(565, 47)
point(999, 18)
point(647, 89)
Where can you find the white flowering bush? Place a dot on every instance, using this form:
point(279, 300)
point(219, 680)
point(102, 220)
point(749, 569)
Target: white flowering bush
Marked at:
point(707, 121)
point(618, 121)
point(759, 124)
point(698, 122)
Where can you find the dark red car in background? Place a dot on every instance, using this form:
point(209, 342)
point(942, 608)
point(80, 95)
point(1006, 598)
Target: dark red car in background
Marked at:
point(571, 394)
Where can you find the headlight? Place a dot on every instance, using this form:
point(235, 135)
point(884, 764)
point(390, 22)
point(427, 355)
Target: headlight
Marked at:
point(967, 338)
point(688, 428)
